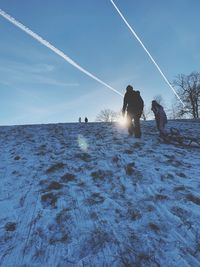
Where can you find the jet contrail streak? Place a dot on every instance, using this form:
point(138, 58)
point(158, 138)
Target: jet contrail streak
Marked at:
point(54, 49)
point(145, 49)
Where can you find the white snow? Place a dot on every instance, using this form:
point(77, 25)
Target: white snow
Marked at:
point(90, 195)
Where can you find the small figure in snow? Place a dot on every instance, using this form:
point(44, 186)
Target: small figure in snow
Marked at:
point(160, 117)
point(79, 119)
point(86, 119)
point(133, 104)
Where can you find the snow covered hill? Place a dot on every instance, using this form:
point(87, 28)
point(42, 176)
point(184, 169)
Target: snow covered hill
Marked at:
point(90, 195)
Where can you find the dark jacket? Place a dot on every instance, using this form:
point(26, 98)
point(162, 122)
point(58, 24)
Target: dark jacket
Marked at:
point(159, 113)
point(133, 102)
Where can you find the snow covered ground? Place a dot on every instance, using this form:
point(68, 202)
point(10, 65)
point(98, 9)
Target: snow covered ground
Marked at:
point(90, 195)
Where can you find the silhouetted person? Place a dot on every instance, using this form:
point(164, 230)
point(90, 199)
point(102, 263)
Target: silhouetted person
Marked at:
point(160, 117)
point(86, 119)
point(79, 119)
point(133, 104)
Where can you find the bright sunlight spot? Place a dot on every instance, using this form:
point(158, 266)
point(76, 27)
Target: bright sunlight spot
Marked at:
point(122, 121)
point(82, 142)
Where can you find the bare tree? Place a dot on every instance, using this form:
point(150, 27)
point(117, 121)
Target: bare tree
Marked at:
point(106, 115)
point(173, 113)
point(188, 88)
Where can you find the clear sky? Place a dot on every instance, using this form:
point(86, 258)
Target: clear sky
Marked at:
point(38, 86)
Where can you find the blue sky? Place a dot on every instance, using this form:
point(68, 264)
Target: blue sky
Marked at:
point(37, 86)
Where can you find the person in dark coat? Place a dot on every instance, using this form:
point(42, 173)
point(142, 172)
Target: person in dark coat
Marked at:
point(160, 117)
point(86, 120)
point(133, 104)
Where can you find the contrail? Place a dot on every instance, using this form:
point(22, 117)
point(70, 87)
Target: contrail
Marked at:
point(54, 49)
point(145, 49)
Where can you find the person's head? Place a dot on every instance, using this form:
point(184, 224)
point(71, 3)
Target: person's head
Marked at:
point(154, 103)
point(129, 88)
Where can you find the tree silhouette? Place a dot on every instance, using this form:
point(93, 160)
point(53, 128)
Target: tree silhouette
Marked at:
point(106, 115)
point(188, 88)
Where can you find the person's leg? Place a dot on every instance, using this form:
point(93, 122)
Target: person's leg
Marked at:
point(162, 126)
point(130, 123)
point(137, 130)
point(157, 123)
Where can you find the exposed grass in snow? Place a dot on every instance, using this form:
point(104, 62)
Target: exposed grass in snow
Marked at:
point(90, 195)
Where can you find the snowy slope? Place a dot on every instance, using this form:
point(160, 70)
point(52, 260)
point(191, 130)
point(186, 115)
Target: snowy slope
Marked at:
point(90, 195)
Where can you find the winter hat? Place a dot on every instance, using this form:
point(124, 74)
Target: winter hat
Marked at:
point(129, 88)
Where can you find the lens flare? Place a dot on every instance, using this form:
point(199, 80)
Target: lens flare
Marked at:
point(82, 143)
point(122, 122)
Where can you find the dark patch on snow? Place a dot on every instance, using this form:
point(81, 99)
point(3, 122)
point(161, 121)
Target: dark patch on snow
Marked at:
point(54, 186)
point(150, 208)
point(146, 259)
point(134, 214)
point(94, 199)
point(181, 174)
point(174, 163)
point(81, 184)
point(183, 214)
point(10, 226)
point(193, 199)
point(166, 176)
point(115, 159)
point(130, 168)
point(68, 177)
point(55, 167)
point(83, 156)
point(101, 174)
point(179, 188)
point(59, 238)
point(63, 216)
point(138, 145)
point(97, 239)
point(160, 197)
point(154, 227)
point(94, 215)
point(128, 151)
point(49, 199)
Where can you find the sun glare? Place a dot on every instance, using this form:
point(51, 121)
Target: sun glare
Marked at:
point(82, 142)
point(122, 121)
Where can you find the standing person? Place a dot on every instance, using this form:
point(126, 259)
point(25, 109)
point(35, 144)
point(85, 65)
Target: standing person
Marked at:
point(133, 104)
point(160, 117)
point(79, 119)
point(86, 119)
